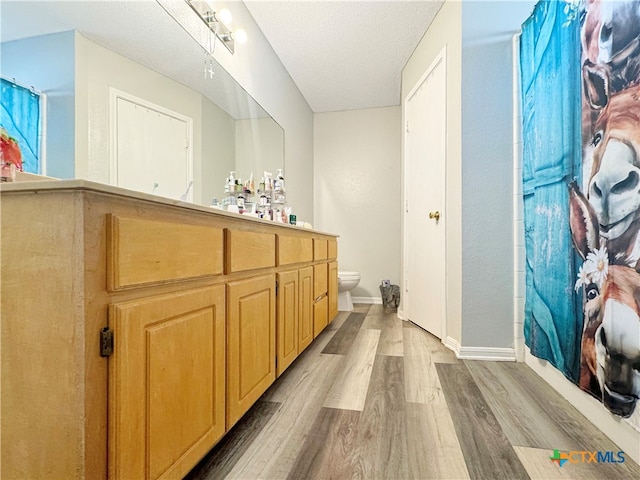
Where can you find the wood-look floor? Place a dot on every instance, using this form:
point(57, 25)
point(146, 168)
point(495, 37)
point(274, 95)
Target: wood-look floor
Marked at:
point(377, 398)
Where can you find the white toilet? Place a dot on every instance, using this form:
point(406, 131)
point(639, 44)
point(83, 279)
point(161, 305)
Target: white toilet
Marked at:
point(347, 281)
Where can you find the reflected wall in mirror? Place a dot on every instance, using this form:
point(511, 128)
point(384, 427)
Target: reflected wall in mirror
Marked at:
point(75, 52)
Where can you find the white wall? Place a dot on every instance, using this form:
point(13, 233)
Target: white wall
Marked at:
point(357, 191)
point(47, 63)
point(445, 30)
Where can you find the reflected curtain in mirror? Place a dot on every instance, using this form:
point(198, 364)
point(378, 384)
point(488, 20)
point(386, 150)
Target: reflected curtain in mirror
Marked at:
point(20, 116)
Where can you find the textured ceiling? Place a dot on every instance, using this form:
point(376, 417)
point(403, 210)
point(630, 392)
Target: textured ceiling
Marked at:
point(345, 55)
point(342, 54)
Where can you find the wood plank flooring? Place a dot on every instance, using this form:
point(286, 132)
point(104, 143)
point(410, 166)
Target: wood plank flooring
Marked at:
point(377, 398)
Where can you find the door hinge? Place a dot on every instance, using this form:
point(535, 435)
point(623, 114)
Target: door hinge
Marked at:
point(407, 126)
point(276, 287)
point(106, 342)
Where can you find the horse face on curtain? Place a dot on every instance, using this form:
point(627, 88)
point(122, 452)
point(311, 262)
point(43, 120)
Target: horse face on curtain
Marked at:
point(610, 211)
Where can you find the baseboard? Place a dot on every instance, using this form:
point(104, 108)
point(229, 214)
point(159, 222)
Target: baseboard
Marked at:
point(452, 344)
point(369, 300)
point(487, 353)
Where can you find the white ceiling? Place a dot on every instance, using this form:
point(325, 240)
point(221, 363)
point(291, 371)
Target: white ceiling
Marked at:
point(342, 54)
point(345, 55)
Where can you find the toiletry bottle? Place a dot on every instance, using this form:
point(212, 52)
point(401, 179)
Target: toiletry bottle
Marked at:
point(280, 181)
point(252, 186)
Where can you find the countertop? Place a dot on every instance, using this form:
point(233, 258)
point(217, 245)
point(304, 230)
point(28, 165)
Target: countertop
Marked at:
point(48, 185)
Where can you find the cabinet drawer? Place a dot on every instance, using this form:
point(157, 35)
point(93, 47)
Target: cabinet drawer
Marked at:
point(294, 249)
point(320, 282)
point(142, 251)
point(320, 315)
point(250, 250)
point(332, 249)
point(319, 249)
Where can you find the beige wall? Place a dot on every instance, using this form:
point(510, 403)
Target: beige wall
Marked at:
point(259, 147)
point(357, 191)
point(446, 30)
point(218, 151)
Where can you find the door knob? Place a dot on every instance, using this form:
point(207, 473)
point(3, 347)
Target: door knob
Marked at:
point(435, 215)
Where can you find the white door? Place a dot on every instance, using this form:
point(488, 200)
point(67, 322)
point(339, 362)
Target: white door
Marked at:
point(425, 159)
point(152, 148)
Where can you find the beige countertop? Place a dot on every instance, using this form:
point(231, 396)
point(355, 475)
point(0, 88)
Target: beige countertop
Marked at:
point(45, 184)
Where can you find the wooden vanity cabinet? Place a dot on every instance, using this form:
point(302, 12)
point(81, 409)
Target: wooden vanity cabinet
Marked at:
point(189, 298)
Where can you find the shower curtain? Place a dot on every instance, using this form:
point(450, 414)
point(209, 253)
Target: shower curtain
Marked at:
point(580, 87)
point(550, 86)
point(20, 118)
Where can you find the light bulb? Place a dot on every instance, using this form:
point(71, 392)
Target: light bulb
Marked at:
point(240, 35)
point(225, 17)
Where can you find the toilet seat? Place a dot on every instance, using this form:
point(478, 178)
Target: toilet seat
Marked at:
point(348, 275)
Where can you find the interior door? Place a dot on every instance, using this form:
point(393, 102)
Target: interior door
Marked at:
point(425, 150)
point(152, 148)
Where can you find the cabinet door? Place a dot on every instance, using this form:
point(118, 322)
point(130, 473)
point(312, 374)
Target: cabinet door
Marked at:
point(305, 298)
point(320, 315)
point(333, 290)
point(287, 320)
point(166, 382)
point(251, 342)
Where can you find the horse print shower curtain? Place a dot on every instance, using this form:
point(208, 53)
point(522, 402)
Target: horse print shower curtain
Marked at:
point(580, 84)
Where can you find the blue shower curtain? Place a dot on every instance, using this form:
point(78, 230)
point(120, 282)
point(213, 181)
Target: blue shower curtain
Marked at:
point(20, 117)
point(550, 86)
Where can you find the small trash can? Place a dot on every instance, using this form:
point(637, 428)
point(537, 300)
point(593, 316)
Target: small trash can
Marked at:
point(390, 295)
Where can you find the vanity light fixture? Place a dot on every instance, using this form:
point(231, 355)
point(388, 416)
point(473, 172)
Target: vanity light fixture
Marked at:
point(217, 22)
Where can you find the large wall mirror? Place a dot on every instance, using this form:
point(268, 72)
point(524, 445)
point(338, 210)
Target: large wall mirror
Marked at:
point(100, 61)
